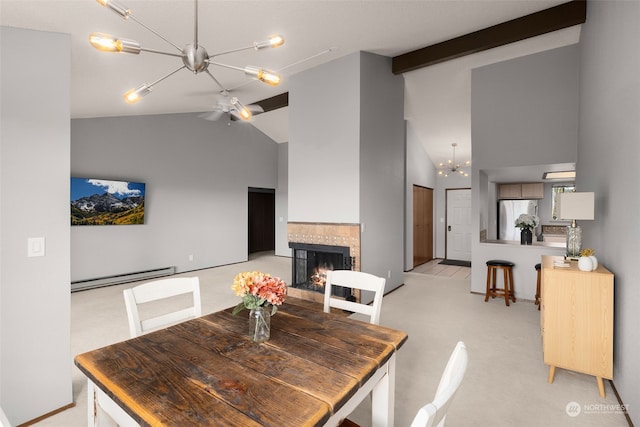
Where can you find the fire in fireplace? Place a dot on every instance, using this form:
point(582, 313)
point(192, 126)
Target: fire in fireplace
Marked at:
point(310, 263)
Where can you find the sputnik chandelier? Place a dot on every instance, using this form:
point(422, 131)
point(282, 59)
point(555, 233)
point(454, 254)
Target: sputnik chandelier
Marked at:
point(194, 57)
point(452, 167)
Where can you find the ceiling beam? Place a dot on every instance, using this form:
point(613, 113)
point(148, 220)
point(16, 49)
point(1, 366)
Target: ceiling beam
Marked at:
point(548, 20)
point(275, 102)
point(556, 18)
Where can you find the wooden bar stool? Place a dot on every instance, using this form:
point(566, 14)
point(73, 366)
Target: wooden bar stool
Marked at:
point(537, 301)
point(493, 291)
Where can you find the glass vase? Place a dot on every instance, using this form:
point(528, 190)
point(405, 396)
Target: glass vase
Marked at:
point(259, 324)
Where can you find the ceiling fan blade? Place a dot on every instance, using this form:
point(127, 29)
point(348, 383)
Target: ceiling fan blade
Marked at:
point(255, 108)
point(235, 116)
point(211, 116)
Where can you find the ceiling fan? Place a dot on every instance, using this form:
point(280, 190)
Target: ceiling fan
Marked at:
point(231, 108)
point(194, 57)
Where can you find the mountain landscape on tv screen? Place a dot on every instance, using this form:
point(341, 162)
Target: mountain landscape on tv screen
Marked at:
point(107, 209)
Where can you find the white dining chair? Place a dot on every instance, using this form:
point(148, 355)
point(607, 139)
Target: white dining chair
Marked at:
point(4, 421)
point(434, 414)
point(355, 280)
point(160, 290)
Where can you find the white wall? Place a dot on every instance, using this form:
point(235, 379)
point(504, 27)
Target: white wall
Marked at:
point(35, 360)
point(608, 154)
point(197, 175)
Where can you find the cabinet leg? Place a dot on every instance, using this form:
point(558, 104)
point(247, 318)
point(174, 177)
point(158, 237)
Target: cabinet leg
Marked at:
point(600, 386)
point(552, 373)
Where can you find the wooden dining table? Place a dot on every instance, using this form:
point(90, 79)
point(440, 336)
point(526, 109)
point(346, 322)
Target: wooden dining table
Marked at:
point(314, 370)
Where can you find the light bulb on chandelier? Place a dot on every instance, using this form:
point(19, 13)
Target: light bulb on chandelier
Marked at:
point(194, 56)
point(452, 167)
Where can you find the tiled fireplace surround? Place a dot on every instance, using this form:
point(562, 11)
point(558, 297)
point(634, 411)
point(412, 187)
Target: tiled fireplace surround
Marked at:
point(329, 234)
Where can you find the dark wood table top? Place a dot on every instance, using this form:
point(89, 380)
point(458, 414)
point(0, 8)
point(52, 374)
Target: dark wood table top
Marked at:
point(206, 371)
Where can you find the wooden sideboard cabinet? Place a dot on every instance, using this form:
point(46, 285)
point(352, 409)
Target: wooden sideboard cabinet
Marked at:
point(577, 320)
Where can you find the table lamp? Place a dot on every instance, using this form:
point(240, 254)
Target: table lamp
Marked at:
point(575, 206)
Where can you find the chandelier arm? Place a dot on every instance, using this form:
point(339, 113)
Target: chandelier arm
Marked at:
point(195, 23)
point(155, 32)
point(216, 80)
point(232, 51)
point(167, 75)
point(159, 52)
point(233, 67)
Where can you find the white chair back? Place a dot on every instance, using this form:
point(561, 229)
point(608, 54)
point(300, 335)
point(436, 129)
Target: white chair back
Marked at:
point(158, 290)
point(435, 413)
point(355, 280)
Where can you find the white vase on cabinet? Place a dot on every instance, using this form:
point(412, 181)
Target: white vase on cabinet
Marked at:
point(585, 264)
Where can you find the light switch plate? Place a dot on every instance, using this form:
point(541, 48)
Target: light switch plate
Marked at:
point(35, 246)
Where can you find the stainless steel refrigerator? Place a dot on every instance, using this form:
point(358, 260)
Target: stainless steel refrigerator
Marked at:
point(508, 212)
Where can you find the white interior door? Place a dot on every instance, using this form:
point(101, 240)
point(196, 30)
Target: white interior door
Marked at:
point(458, 234)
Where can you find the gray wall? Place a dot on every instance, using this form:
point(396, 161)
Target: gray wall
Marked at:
point(197, 174)
point(419, 171)
point(346, 154)
point(524, 112)
point(608, 154)
point(382, 169)
point(324, 148)
point(35, 359)
point(282, 200)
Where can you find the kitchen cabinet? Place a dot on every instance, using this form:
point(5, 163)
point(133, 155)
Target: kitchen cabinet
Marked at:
point(533, 190)
point(577, 319)
point(527, 190)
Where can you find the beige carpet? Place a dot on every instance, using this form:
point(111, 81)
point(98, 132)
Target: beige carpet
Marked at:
point(506, 382)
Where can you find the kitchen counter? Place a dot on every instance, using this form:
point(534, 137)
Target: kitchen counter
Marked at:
point(547, 244)
point(524, 257)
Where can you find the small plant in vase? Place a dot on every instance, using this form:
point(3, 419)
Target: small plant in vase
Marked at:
point(587, 260)
point(526, 223)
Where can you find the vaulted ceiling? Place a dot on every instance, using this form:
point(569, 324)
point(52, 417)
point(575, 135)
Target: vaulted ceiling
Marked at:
point(436, 97)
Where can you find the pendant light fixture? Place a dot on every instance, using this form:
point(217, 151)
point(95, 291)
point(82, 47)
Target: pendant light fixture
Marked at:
point(452, 167)
point(194, 56)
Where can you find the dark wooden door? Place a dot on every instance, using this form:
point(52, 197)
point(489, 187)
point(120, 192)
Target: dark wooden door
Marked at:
point(262, 220)
point(422, 225)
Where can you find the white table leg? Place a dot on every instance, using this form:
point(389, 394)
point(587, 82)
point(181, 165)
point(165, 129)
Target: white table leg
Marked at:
point(383, 397)
point(103, 411)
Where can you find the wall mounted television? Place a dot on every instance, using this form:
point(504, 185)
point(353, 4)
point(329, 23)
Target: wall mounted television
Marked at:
point(106, 202)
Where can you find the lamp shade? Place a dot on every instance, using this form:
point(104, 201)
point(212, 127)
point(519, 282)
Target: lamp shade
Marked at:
point(572, 206)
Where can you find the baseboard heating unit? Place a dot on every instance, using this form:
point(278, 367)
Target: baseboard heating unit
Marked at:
point(117, 279)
